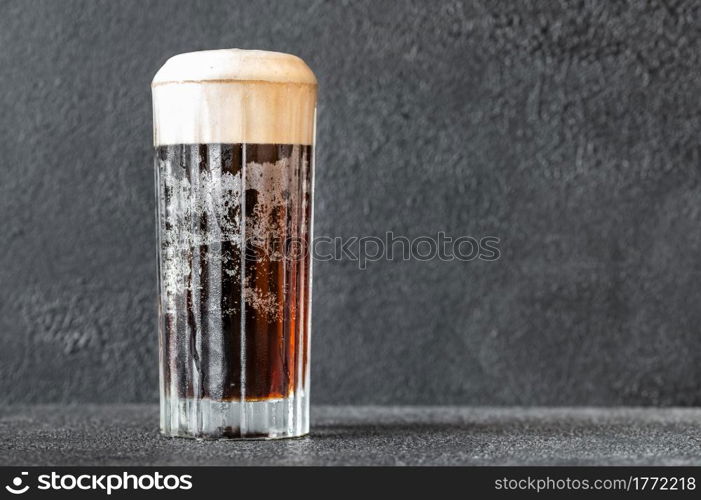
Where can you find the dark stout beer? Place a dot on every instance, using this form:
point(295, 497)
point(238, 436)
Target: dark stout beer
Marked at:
point(235, 282)
point(234, 228)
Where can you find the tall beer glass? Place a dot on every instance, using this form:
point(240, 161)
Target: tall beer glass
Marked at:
point(234, 161)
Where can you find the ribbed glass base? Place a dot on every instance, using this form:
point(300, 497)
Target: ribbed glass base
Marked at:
point(208, 419)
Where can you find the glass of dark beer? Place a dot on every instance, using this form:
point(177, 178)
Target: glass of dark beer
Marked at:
point(234, 162)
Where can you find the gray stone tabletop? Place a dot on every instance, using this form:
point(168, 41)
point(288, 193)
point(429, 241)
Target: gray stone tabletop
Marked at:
point(343, 435)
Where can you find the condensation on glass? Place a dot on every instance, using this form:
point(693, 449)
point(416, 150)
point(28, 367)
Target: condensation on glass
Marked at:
point(234, 162)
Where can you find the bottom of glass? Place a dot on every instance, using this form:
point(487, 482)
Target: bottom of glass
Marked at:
point(209, 419)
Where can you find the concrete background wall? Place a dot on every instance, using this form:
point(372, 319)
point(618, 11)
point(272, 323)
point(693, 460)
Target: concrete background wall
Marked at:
point(568, 131)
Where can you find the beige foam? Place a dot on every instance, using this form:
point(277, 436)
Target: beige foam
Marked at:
point(234, 96)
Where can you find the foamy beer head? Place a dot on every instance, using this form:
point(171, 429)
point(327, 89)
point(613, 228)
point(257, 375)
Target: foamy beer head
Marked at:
point(234, 96)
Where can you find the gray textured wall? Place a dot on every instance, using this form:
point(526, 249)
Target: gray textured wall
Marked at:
point(569, 132)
